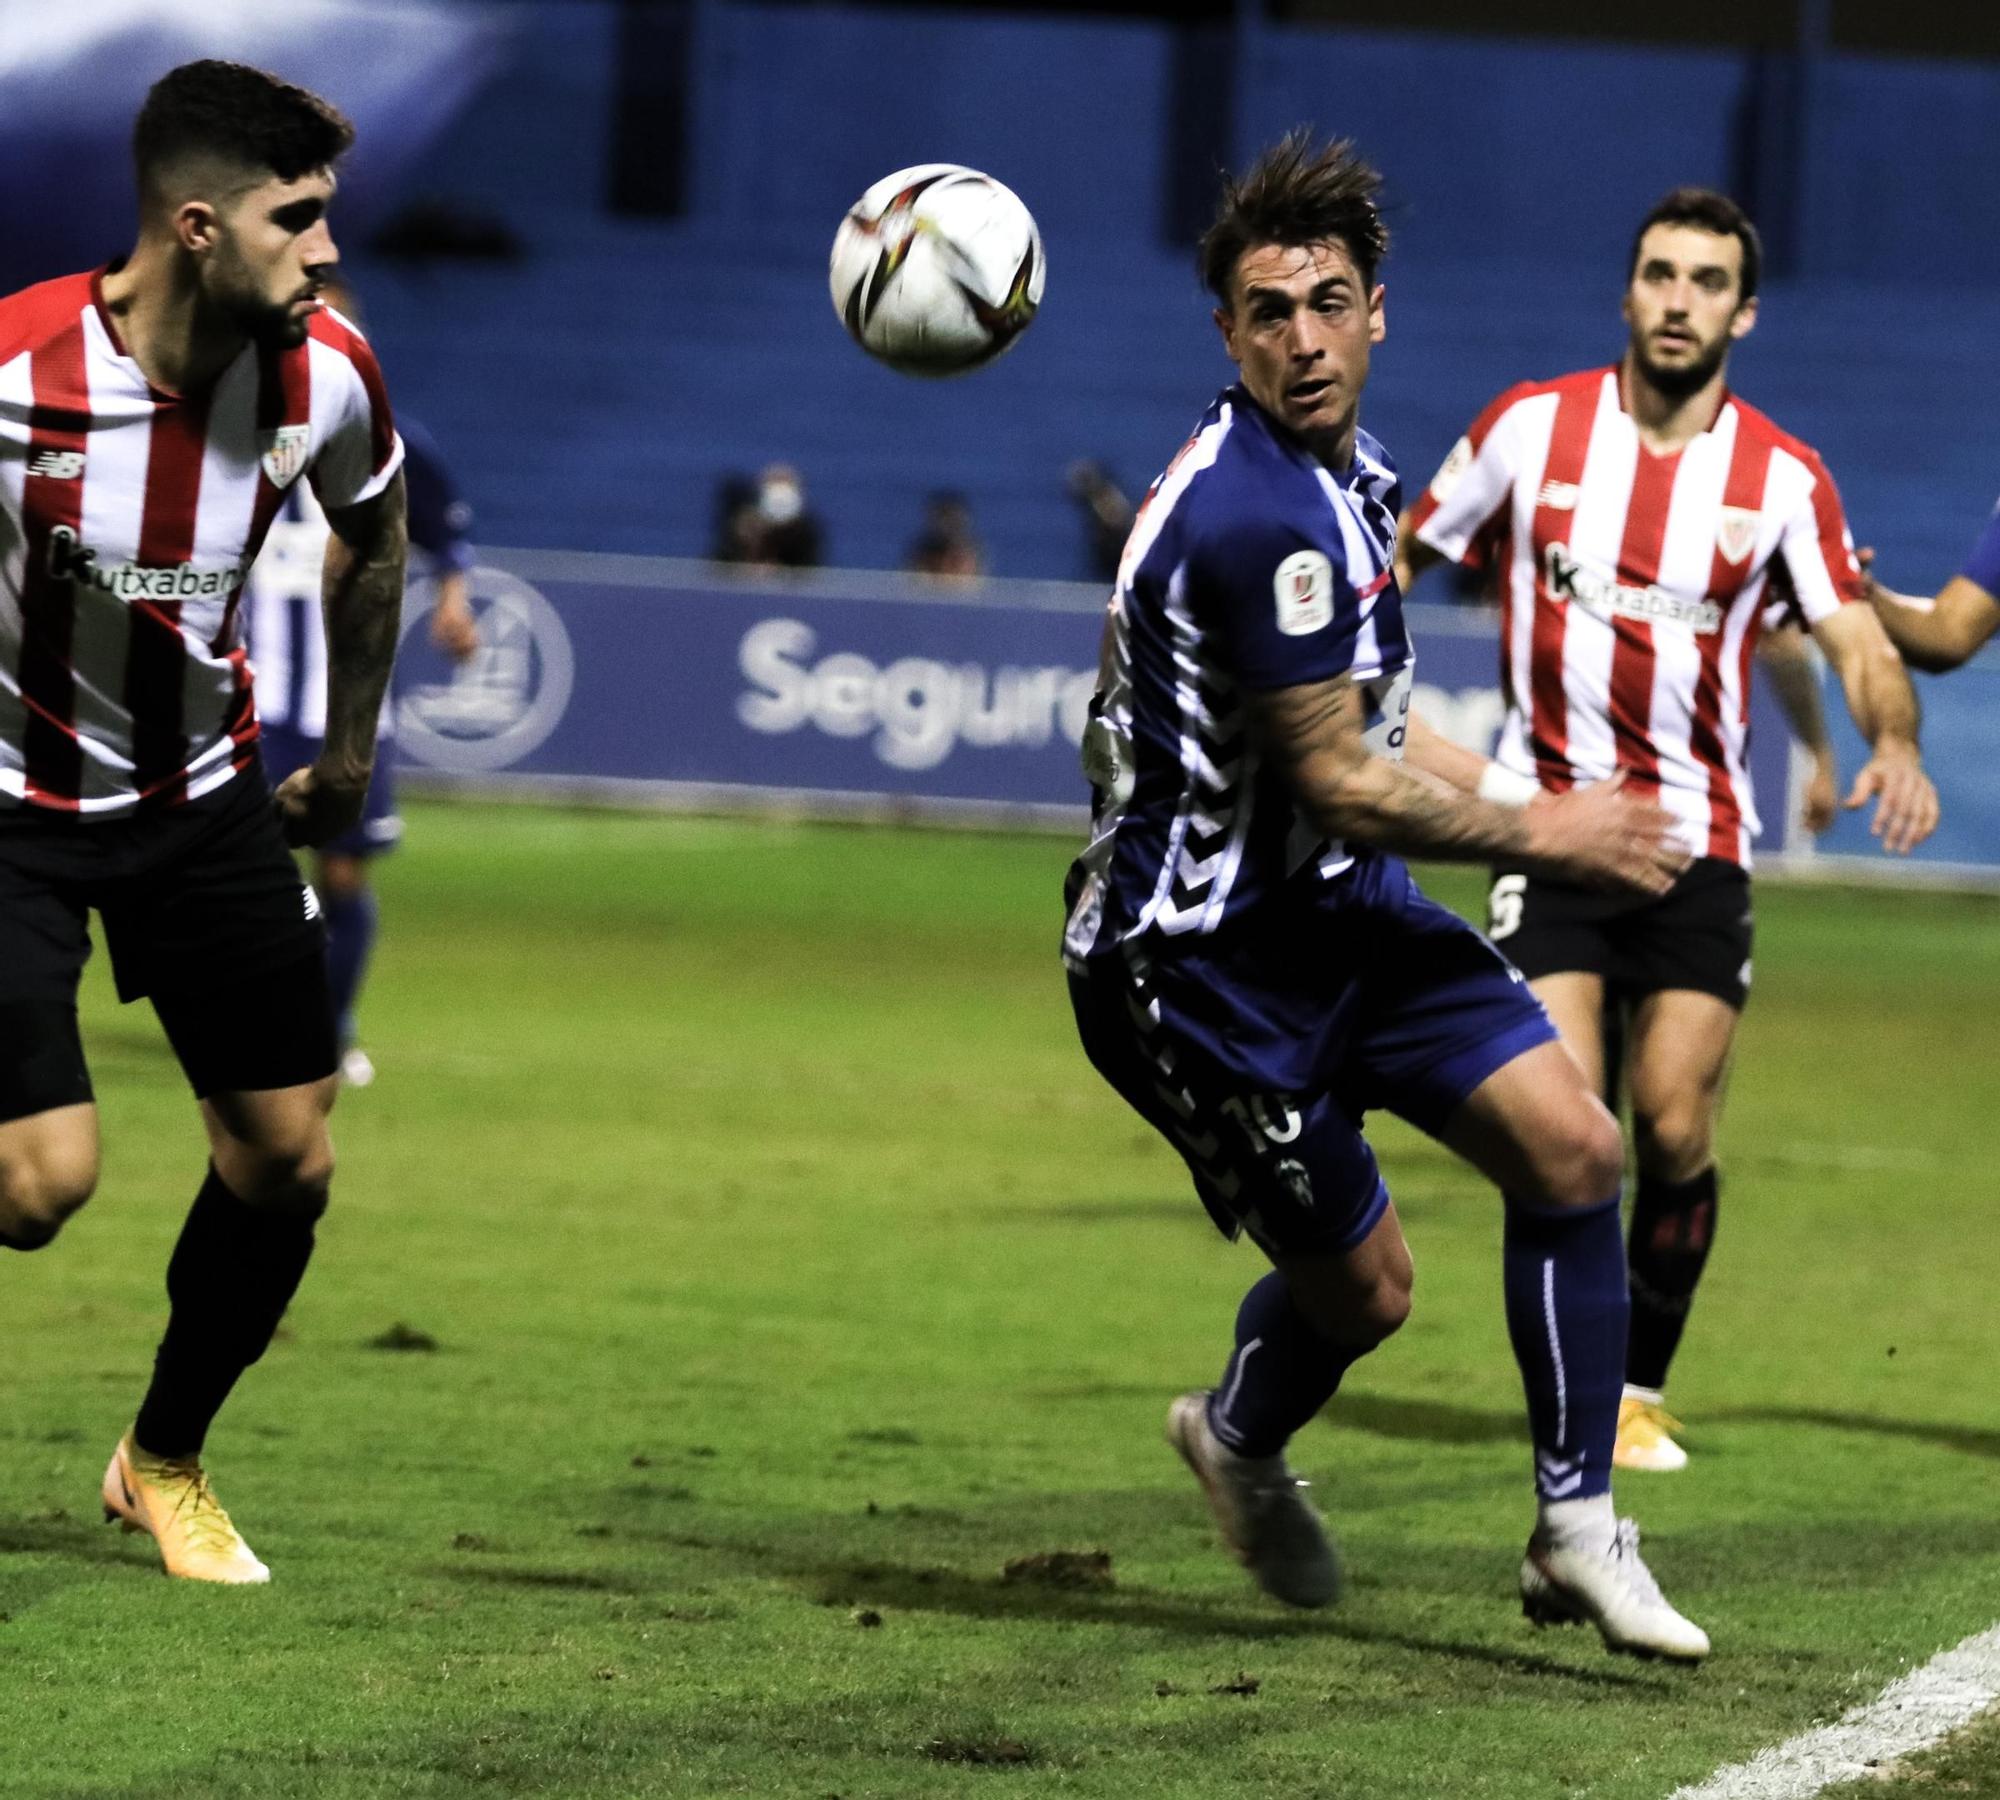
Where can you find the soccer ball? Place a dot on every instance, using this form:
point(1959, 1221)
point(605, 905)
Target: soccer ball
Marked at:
point(937, 269)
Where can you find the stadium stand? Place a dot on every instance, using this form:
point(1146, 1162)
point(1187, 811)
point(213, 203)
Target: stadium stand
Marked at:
point(594, 391)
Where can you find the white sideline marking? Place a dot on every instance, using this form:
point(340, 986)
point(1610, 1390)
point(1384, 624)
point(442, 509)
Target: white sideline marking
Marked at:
point(1910, 1714)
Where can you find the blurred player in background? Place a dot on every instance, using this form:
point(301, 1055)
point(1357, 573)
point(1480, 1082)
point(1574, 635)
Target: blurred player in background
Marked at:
point(1251, 967)
point(153, 415)
point(1947, 632)
point(1788, 657)
point(1107, 516)
point(288, 651)
point(1639, 520)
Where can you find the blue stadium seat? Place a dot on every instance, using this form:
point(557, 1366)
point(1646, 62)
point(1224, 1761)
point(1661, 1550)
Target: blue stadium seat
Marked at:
point(592, 395)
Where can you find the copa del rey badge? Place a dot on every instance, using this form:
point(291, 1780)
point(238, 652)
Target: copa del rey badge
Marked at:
point(1303, 586)
point(284, 455)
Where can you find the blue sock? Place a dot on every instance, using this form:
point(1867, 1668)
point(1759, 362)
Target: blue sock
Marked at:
point(350, 934)
point(1280, 1373)
point(1567, 1307)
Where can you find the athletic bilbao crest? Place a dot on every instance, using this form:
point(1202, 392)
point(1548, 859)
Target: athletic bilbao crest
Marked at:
point(284, 457)
point(1736, 536)
point(1303, 587)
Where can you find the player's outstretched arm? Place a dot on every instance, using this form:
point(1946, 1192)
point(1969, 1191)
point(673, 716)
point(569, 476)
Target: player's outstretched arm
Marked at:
point(1883, 706)
point(1428, 749)
point(1788, 660)
point(1597, 835)
point(1941, 634)
point(362, 598)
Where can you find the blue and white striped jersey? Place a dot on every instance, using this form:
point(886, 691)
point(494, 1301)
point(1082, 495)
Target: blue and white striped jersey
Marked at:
point(282, 599)
point(1251, 566)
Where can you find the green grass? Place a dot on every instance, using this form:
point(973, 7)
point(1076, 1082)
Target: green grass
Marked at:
point(1966, 1767)
point(789, 1265)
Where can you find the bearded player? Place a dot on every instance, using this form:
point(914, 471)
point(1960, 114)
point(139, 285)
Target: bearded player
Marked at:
point(1638, 521)
point(153, 416)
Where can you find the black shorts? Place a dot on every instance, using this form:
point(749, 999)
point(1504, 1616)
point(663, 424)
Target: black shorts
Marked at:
point(1695, 936)
point(203, 912)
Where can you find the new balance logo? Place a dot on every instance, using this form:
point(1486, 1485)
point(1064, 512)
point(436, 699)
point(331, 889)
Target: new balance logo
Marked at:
point(1561, 495)
point(58, 465)
point(312, 903)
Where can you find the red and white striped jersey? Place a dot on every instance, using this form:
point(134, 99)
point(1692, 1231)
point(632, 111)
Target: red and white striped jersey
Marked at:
point(1633, 586)
point(128, 520)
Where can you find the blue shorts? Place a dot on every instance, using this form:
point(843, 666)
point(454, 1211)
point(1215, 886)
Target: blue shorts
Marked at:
point(284, 749)
point(1258, 1051)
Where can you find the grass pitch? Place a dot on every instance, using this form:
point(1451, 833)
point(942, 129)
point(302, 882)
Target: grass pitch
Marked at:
point(790, 1273)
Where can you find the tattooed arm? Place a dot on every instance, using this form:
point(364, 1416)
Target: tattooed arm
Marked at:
point(362, 597)
point(1597, 835)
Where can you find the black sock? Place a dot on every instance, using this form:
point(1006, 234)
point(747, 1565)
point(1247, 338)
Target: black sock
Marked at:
point(1673, 1224)
point(231, 1277)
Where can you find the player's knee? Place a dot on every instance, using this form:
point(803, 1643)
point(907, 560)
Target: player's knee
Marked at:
point(38, 1195)
point(1387, 1305)
point(1358, 1312)
point(1675, 1141)
point(341, 877)
point(288, 1171)
point(1584, 1164)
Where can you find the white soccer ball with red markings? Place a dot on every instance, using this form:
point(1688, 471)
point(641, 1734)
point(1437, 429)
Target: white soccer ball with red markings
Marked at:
point(937, 269)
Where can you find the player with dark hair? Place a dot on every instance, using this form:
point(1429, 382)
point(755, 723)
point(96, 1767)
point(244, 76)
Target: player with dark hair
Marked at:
point(153, 416)
point(1642, 524)
point(1252, 967)
point(1946, 632)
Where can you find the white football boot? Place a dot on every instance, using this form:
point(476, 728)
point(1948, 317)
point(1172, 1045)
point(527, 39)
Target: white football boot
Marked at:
point(1611, 1588)
point(1261, 1507)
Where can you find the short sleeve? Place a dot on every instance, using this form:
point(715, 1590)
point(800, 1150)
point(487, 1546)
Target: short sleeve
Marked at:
point(440, 520)
point(1457, 513)
point(1817, 551)
point(360, 453)
point(1982, 567)
point(1280, 601)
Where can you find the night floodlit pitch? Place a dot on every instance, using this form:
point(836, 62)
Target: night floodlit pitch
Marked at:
point(790, 1274)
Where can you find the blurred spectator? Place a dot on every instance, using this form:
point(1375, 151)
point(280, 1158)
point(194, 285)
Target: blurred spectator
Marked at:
point(1107, 516)
point(734, 538)
point(765, 523)
point(947, 549)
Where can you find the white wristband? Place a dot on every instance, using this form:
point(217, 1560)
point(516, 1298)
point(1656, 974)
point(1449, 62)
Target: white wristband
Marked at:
point(1504, 787)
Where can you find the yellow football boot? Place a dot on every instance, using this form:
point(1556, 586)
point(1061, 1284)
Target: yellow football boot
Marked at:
point(173, 1504)
point(1643, 1436)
